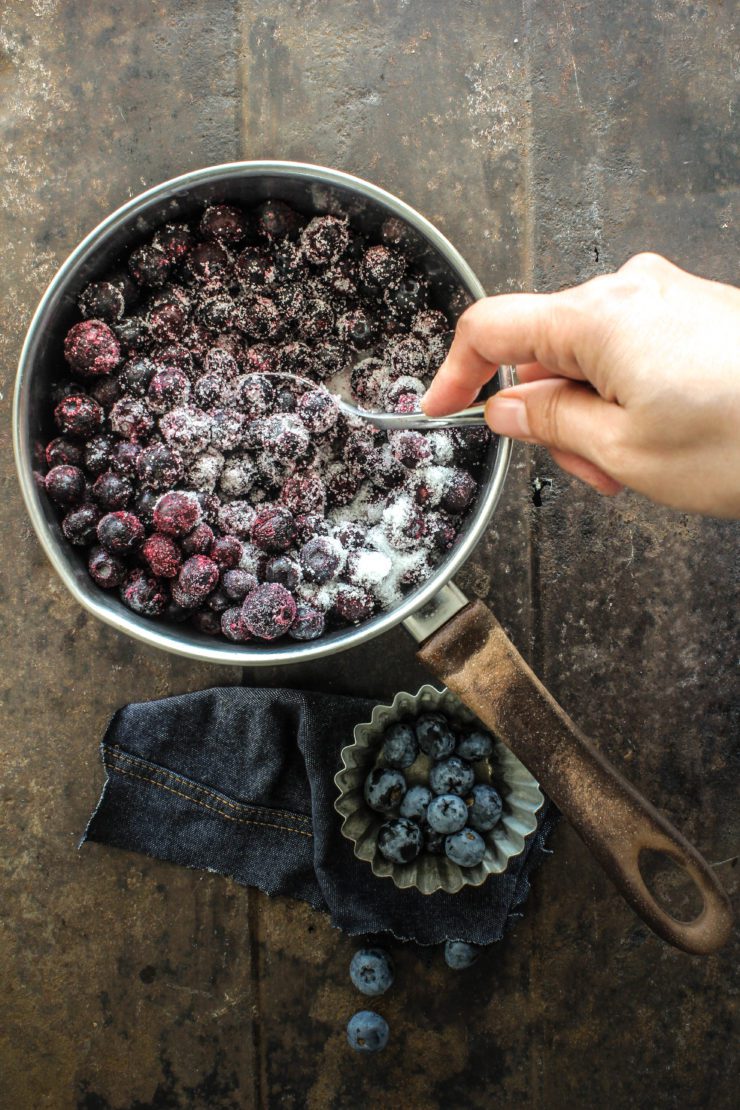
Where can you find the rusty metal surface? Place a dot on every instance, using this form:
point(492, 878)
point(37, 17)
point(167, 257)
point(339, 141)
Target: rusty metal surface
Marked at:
point(549, 142)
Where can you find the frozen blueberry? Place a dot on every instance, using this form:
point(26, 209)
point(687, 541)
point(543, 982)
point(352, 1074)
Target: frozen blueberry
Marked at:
point(177, 513)
point(320, 559)
point(447, 813)
point(269, 611)
point(80, 524)
point(400, 840)
point(434, 734)
point(64, 452)
point(158, 467)
point(309, 623)
point(232, 625)
point(105, 569)
point(459, 491)
point(285, 570)
point(91, 348)
point(144, 594)
point(484, 807)
point(459, 954)
point(415, 802)
point(120, 532)
point(149, 265)
point(324, 239)
point(111, 491)
point(199, 541)
point(98, 451)
point(451, 776)
point(135, 376)
point(465, 848)
point(65, 484)
point(367, 1031)
point(102, 300)
point(226, 551)
point(198, 576)
point(371, 971)
point(400, 746)
point(384, 789)
point(237, 583)
point(78, 415)
point(273, 529)
point(224, 223)
point(474, 746)
point(162, 555)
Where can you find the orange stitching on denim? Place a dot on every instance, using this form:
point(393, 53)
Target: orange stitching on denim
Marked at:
point(197, 802)
point(117, 754)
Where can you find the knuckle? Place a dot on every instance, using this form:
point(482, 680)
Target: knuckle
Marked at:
point(613, 452)
point(546, 417)
point(647, 261)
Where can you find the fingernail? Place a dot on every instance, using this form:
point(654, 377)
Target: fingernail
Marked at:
point(508, 417)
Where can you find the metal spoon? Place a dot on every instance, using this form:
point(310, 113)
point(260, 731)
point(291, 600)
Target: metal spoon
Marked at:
point(390, 421)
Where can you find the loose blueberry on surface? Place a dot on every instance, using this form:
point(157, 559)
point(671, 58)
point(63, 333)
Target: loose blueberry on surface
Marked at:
point(451, 776)
point(466, 848)
point(459, 954)
point(434, 734)
point(384, 789)
point(269, 611)
point(415, 802)
point(447, 813)
point(105, 569)
point(474, 746)
point(484, 807)
point(371, 971)
point(120, 532)
point(400, 746)
point(400, 840)
point(65, 484)
point(309, 623)
point(367, 1032)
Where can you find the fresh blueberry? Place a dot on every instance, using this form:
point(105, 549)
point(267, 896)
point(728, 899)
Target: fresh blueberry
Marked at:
point(465, 848)
point(451, 776)
point(459, 954)
point(371, 971)
point(447, 813)
point(485, 810)
point(367, 1031)
point(384, 789)
point(400, 746)
point(435, 735)
point(415, 802)
point(475, 746)
point(400, 840)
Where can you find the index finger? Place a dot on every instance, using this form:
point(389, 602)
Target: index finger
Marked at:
point(511, 328)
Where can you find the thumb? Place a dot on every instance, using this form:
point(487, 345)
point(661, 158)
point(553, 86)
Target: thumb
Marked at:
point(561, 414)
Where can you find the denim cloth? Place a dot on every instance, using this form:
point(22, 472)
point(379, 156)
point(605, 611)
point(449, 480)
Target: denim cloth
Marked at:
point(239, 781)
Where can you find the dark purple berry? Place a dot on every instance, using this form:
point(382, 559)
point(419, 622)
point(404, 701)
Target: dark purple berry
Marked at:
point(277, 220)
point(65, 484)
point(206, 621)
point(238, 583)
point(105, 569)
point(80, 524)
point(224, 224)
point(98, 454)
point(199, 541)
point(459, 491)
point(168, 387)
point(198, 576)
point(135, 376)
point(283, 569)
point(273, 529)
point(123, 458)
point(78, 415)
point(143, 594)
point(101, 300)
point(63, 452)
point(158, 467)
point(320, 559)
point(309, 623)
point(353, 604)
point(111, 491)
point(174, 240)
point(324, 239)
point(268, 611)
point(177, 513)
point(131, 419)
point(120, 532)
point(382, 267)
point(232, 625)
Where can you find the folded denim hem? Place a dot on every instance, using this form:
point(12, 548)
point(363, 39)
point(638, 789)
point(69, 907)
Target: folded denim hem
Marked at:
point(171, 817)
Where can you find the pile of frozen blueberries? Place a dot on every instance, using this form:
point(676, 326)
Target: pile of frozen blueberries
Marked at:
point(448, 815)
point(203, 486)
point(372, 972)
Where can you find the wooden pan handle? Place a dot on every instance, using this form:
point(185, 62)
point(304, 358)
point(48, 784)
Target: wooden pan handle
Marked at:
point(474, 657)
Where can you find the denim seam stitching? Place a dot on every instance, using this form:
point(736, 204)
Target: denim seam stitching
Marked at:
point(117, 754)
point(198, 802)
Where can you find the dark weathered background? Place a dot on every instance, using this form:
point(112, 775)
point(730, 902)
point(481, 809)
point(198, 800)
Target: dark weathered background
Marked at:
point(550, 141)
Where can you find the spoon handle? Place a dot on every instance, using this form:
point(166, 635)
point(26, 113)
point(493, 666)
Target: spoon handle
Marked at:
point(395, 421)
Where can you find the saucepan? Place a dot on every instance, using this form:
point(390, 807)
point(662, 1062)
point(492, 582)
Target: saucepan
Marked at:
point(461, 643)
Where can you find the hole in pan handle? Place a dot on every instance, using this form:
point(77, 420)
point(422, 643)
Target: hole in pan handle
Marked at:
point(474, 657)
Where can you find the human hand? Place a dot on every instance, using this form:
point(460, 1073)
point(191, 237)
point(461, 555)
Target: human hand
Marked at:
point(632, 378)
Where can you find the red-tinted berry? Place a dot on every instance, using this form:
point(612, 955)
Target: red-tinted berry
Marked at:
point(199, 541)
point(143, 594)
point(91, 348)
point(174, 240)
point(64, 452)
point(268, 611)
point(162, 555)
point(131, 419)
point(273, 529)
point(226, 551)
point(223, 223)
point(149, 265)
point(232, 625)
point(198, 576)
point(177, 513)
